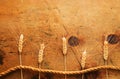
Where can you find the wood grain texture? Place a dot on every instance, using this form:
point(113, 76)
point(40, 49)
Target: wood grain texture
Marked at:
point(47, 21)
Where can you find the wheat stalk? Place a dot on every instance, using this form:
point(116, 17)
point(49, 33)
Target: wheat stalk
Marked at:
point(20, 47)
point(40, 56)
point(65, 53)
point(83, 61)
point(105, 55)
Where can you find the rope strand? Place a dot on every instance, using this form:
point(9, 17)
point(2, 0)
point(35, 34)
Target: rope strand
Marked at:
point(59, 72)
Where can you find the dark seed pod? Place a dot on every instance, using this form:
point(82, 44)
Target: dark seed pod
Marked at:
point(112, 39)
point(73, 41)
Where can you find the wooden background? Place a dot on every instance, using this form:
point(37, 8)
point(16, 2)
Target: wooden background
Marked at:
point(47, 21)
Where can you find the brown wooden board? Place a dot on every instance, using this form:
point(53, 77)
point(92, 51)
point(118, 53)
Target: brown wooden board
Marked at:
point(47, 21)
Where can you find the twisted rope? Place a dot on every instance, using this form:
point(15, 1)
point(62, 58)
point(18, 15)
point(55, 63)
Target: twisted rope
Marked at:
point(58, 72)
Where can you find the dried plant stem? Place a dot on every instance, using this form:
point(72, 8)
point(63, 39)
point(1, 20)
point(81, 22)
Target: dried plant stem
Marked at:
point(106, 70)
point(21, 71)
point(40, 57)
point(39, 72)
point(83, 61)
point(65, 62)
point(65, 54)
point(106, 55)
point(82, 76)
point(20, 46)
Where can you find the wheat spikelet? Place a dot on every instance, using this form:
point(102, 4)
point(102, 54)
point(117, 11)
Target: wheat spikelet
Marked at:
point(40, 55)
point(105, 50)
point(64, 46)
point(83, 60)
point(20, 45)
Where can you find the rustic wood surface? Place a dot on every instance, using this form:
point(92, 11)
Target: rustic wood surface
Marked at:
point(47, 21)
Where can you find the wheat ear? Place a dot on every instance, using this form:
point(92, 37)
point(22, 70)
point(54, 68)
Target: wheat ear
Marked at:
point(83, 61)
point(20, 47)
point(65, 53)
point(40, 56)
point(20, 43)
point(105, 50)
point(64, 46)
